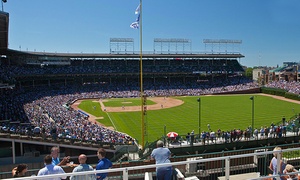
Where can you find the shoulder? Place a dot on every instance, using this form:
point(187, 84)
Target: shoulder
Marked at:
point(105, 160)
point(58, 168)
point(41, 171)
point(108, 161)
point(274, 161)
point(76, 168)
point(100, 164)
point(166, 149)
point(154, 151)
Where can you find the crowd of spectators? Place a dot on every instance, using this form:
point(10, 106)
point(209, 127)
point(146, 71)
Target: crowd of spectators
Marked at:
point(122, 66)
point(22, 111)
point(292, 87)
point(11, 72)
point(211, 136)
point(6, 75)
point(43, 110)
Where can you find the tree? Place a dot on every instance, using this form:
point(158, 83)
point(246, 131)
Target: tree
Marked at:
point(249, 73)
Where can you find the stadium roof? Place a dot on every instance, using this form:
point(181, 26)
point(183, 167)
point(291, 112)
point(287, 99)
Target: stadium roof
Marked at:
point(279, 69)
point(11, 52)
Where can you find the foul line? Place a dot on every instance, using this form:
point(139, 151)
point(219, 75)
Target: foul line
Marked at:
point(111, 121)
point(103, 109)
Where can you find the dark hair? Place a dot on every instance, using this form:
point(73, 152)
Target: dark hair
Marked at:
point(102, 152)
point(48, 159)
point(19, 169)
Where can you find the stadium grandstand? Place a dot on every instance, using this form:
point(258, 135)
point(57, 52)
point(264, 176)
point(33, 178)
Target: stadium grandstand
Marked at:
point(38, 88)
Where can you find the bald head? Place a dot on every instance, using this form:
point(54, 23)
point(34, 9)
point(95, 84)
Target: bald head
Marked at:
point(82, 158)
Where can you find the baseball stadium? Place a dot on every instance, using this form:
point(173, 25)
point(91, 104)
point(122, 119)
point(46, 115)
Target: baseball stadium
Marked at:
point(216, 121)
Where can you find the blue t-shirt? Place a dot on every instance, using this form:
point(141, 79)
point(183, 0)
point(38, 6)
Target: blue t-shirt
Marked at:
point(55, 161)
point(161, 155)
point(103, 164)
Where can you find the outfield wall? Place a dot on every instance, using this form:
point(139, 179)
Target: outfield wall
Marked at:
point(248, 91)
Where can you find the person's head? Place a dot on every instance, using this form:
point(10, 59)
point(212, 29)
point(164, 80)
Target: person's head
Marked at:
point(160, 143)
point(21, 169)
point(289, 168)
point(276, 149)
point(54, 152)
point(48, 159)
point(82, 159)
point(101, 153)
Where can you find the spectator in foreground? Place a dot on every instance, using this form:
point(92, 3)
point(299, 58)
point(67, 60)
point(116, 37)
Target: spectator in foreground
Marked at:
point(290, 169)
point(19, 171)
point(51, 169)
point(55, 157)
point(103, 163)
point(273, 164)
point(162, 155)
point(83, 167)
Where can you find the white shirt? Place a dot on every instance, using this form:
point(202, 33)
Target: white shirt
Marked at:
point(80, 168)
point(51, 169)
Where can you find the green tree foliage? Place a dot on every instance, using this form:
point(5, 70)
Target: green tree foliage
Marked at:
point(249, 72)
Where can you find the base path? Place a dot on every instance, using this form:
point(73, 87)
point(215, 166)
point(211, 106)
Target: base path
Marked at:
point(161, 103)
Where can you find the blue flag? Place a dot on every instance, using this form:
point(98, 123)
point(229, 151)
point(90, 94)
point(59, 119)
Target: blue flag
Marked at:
point(136, 23)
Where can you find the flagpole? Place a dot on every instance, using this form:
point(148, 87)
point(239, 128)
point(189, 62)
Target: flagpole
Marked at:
point(141, 79)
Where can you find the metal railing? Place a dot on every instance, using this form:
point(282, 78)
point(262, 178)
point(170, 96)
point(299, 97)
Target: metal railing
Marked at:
point(228, 166)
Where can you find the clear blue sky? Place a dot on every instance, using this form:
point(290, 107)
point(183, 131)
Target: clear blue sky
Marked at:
point(269, 29)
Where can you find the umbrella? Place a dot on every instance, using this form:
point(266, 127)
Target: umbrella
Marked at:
point(172, 134)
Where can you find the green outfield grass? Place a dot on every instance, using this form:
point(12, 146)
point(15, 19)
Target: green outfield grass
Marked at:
point(93, 107)
point(224, 112)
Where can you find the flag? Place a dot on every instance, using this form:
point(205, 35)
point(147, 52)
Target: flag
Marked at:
point(136, 23)
point(137, 10)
